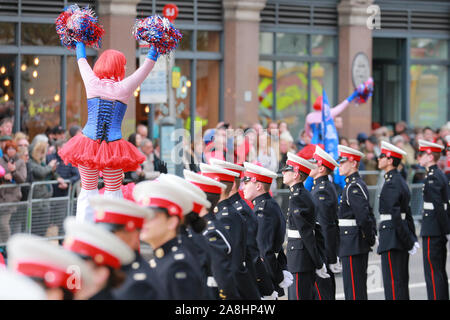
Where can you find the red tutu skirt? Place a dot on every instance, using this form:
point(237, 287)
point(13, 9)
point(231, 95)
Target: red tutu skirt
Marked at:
point(96, 154)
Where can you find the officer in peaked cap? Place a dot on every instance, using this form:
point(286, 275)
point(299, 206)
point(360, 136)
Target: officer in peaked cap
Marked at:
point(173, 263)
point(14, 286)
point(357, 226)
point(193, 225)
point(236, 227)
point(221, 281)
point(271, 226)
point(252, 260)
point(397, 233)
point(304, 260)
point(324, 192)
point(61, 273)
point(125, 219)
point(435, 229)
point(103, 251)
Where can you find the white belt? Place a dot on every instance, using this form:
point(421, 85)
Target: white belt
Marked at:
point(385, 217)
point(430, 206)
point(293, 234)
point(347, 223)
point(211, 282)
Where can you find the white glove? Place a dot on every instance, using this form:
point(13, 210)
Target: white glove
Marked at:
point(414, 248)
point(322, 272)
point(376, 241)
point(273, 296)
point(288, 279)
point(448, 236)
point(336, 267)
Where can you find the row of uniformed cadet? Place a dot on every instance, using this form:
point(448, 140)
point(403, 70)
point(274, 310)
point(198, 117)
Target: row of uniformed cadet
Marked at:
point(208, 244)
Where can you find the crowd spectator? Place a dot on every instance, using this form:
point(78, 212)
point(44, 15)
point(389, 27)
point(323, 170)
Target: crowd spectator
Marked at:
point(152, 166)
point(6, 127)
point(41, 171)
point(74, 130)
point(15, 173)
point(303, 140)
point(370, 159)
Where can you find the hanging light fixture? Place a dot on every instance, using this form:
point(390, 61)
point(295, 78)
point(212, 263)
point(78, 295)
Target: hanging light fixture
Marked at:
point(6, 97)
point(56, 97)
point(188, 83)
point(6, 82)
point(36, 61)
point(147, 109)
point(136, 93)
point(23, 67)
point(35, 74)
point(2, 70)
point(31, 91)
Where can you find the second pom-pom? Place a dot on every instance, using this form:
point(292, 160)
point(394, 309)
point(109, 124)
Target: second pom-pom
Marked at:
point(159, 32)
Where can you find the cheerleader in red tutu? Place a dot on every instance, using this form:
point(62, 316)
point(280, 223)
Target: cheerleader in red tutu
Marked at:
point(100, 147)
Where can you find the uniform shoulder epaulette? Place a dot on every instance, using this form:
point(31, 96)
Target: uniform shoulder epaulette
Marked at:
point(237, 205)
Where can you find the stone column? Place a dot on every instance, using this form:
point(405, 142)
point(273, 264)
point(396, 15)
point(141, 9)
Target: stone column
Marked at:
point(117, 18)
point(354, 37)
point(241, 57)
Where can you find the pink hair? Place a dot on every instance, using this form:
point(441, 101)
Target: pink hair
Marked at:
point(110, 65)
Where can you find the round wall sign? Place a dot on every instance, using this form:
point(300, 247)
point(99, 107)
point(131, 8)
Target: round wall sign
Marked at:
point(360, 69)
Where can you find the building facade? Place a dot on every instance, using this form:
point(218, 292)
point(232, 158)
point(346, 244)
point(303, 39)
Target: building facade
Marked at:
point(241, 61)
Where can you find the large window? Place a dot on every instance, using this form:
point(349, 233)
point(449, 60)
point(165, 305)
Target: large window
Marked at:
point(299, 66)
point(429, 104)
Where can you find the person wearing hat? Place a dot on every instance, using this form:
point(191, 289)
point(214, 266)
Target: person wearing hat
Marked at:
point(14, 286)
point(236, 227)
point(303, 257)
point(104, 252)
point(125, 219)
point(357, 226)
point(397, 236)
point(62, 274)
point(447, 151)
point(271, 226)
point(324, 192)
point(176, 267)
point(253, 261)
point(221, 281)
point(192, 227)
point(435, 229)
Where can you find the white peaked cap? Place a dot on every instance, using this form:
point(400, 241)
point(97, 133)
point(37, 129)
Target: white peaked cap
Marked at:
point(300, 163)
point(14, 286)
point(427, 145)
point(259, 173)
point(218, 173)
point(195, 193)
point(387, 147)
point(149, 193)
point(89, 239)
point(205, 183)
point(26, 249)
point(347, 150)
point(325, 156)
point(226, 165)
point(120, 206)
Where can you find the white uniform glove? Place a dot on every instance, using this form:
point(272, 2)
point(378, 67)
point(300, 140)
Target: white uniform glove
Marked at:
point(414, 248)
point(448, 236)
point(288, 279)
point(376, 241)
point(336, 267)
point(322, 272)
point(273, 296)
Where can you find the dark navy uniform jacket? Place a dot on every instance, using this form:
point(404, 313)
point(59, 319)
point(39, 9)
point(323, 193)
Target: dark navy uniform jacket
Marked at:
point(220, 252)
point(141, 283)
point(399, 232)
point(253, 261)
point(236, 227)
point(354, 204)
point(178, 271)
point(435, 220)
point(302, 253)
point(270, 237)
point(326, 198)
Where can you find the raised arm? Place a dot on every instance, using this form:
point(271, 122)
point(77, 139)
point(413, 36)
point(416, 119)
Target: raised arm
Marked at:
point(87, 74)
point(343, 105)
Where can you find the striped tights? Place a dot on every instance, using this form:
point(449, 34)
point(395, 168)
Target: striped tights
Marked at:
point(111, 177)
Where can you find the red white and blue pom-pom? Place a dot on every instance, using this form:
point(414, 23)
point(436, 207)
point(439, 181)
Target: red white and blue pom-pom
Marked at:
point(159, 32)
point(365, 91)
point(77, 24)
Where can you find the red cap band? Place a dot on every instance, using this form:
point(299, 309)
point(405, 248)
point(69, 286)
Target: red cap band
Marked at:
point(322, 161)
point(390, 153)
point(298, 166)
point(99, 256)
point(197, 208)
point(219, 176)
point(52, 276)
point(173, 208)
point(350, 156)
point(208, 188)
point(258, 177)
point(130, 222)
point(430, 149)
